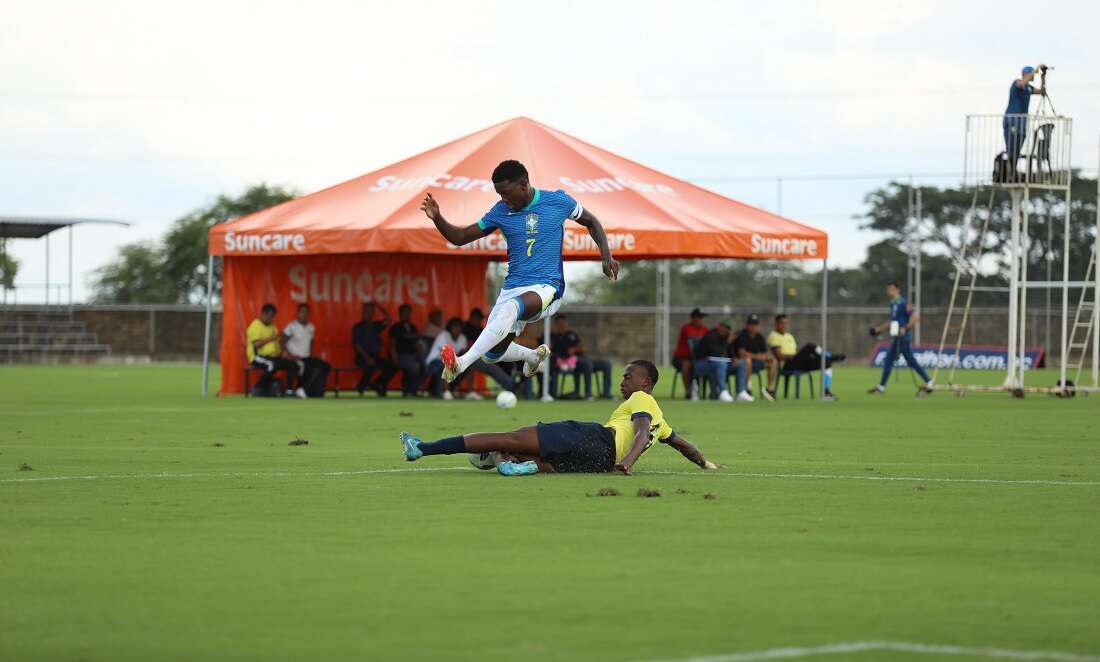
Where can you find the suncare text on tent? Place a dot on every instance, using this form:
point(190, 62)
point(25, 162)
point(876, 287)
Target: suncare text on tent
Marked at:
point(762, 245)
point(267, 242)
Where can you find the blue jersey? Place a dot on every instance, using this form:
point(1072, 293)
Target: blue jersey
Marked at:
point(1019, 99)
point(534, 235)
point(899, 311)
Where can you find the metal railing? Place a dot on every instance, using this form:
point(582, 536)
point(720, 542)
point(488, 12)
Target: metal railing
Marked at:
point(1018, 150)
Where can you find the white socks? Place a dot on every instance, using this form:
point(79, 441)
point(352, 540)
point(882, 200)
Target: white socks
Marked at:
point(502, 319)
point(517, 352)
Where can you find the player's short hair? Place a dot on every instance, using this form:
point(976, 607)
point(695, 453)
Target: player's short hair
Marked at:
point(452, 322)
point(650, 369)
point(509, 171)
point(893, 283)
point(780, 316)
point(303, 305)
point(404, 306)
point(267, 308)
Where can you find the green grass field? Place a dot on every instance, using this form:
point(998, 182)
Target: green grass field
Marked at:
point(186, 529)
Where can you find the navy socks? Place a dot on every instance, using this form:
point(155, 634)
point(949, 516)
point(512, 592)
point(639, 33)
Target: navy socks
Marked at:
point(448, 446)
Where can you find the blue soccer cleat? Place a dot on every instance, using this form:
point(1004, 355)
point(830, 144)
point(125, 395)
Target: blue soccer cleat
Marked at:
point(527, 468)
point(411, 446)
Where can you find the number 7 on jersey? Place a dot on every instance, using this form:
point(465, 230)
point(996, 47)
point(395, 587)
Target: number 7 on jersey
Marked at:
point(530, 245)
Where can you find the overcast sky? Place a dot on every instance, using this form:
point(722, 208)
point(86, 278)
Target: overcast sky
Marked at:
point(145, 110)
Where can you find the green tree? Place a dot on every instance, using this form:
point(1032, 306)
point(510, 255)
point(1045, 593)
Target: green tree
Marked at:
point(181, 257)
point(9, 266)
point(136, 276)
point(945, 209)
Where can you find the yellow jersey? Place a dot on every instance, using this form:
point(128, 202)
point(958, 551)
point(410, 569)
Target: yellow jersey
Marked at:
point(622, 422)
point(257, 330)
point(784, 341)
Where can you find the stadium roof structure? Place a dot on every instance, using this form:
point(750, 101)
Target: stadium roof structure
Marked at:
point(647, 214)
point(36, 227)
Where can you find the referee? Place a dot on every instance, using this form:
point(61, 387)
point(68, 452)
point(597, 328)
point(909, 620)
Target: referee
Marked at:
point(901, 323)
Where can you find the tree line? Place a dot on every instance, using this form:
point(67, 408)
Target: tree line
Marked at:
point(173, 269)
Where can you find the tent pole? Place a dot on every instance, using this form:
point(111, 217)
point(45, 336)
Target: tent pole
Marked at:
point(206, 337)
point(546, 364)
point(70, 268)
point(47, 269)
point(824, 321)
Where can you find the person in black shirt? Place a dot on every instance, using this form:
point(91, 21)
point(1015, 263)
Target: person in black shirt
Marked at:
point(752, 354)
point(712, 359)
point(366, 340)
point(566, 344)
point(405, 346)
point(473, 326)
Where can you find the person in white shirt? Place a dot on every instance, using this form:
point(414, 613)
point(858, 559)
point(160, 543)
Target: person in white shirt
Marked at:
point(451, 334)
point(298, 346)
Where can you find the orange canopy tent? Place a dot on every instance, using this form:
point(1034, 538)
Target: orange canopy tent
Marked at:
point(362, 225)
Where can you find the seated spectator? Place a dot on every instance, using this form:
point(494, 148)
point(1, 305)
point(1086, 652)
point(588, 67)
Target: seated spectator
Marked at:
point(264, 351)
point(473, 326)
point(567, 350)
point(433, 327)
point(298, 337)
point(807, 359)
point(682, 359)
point(712, 359)
point(406, 349)
point(366, 340)
point(453, 335)
point(472, 329)
point(752, 356)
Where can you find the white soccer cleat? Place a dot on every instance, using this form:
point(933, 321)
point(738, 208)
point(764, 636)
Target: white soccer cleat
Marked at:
point(300, 393)
point(541, 354)
point(744, 396)
point(474, 395)
point(725, 396)
point(447, 395)
point(767, 395)
point(695, 392)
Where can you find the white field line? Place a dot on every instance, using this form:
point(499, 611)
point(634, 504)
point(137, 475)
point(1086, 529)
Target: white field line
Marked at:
point(898, 646)
point(278, 474)
point(364, 472)
point(918, 479)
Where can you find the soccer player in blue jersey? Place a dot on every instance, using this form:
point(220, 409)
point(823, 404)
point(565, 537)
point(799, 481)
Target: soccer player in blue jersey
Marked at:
point(901, 323)
point(533, 224)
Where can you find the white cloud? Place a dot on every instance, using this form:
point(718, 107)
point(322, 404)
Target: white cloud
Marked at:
point(146, 110)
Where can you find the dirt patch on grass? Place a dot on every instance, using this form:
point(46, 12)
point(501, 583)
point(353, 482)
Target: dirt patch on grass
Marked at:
point(298, 442)
point(710, 497)
point(25, 467)
point(606, 491)
point(648, 493)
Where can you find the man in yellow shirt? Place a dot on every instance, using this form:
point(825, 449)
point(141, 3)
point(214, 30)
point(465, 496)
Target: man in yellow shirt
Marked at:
point(573, 446)
point(263, 346)
point(807, 359)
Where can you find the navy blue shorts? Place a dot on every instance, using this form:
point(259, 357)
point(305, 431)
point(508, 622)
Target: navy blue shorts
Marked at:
point(577, 447)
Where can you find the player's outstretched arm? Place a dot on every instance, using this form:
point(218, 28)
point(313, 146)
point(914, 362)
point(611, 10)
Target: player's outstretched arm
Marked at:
point(641, 438)
point(692, 452)
point(452, 233)
point(595, 229)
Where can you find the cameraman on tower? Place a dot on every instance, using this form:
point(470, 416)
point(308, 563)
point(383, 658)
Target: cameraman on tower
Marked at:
point(1015, 121)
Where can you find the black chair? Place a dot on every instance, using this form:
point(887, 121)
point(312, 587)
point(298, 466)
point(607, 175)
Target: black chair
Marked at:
point(692, 342)
point(1040, 152)
point(798, 375)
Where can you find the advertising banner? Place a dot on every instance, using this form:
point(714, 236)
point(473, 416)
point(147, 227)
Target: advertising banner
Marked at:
point(335, 287)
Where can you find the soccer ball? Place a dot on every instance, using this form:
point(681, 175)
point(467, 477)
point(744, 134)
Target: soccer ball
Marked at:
point(483, 461)
point(506, 400)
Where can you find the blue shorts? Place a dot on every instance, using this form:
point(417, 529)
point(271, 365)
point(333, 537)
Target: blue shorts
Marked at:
point(577, 447)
